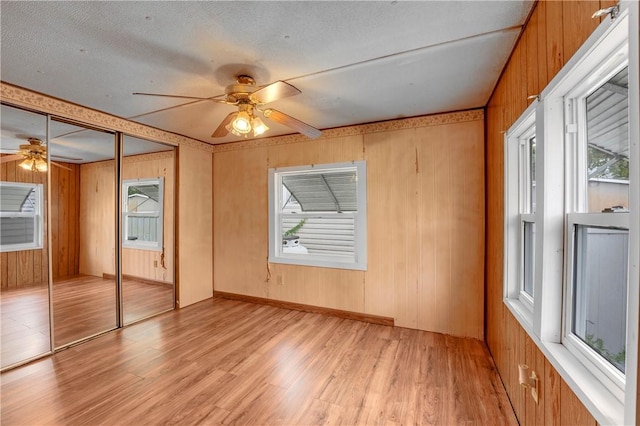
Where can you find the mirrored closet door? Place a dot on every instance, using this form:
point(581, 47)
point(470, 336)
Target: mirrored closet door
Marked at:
point(24, 268)
point(147, 205)
point(87, 232)
point(84, 247)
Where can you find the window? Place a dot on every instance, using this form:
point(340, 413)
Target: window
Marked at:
point(20, 216)
point(572, 222)
point(317, 215)
point(142, 207)
point(596, 282)
point(520, 213)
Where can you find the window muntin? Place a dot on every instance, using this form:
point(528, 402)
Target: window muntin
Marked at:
point(142, 213)
point(21, 206)
point(318, 215)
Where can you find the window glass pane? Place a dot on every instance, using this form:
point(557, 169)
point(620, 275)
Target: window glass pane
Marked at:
point(600, 291)
point(532, 174)
point(331, 198)
point(529, 257)
point(608, 145)
point(318, 192)
point(20, 213)
point(142, 228)
point(142, 213)
point(17, 230)
point(143, 198)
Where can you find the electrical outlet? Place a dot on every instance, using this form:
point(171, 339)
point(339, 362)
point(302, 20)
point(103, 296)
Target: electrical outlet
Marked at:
point(155, 263)
point(280, 280)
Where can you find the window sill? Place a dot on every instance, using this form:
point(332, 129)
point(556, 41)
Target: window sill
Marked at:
point(522, 313)
point(601, 403)
point(303, 260)
point(142, 247)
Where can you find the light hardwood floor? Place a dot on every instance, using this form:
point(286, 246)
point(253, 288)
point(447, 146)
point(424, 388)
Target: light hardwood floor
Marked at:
point(226, 361)
point(83, 306)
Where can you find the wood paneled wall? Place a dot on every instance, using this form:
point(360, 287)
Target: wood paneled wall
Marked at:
point(425, 215)
point(30, 267)
point(553, 33)
point(195, 226)
point(98, 220)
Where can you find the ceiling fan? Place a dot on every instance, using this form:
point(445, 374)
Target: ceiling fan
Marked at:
point(249, 98)
point(34, 156)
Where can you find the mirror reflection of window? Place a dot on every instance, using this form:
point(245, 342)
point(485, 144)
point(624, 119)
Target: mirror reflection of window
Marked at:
point(20, 216)
point(147, 209)
point(142, 208)
point(24, 251)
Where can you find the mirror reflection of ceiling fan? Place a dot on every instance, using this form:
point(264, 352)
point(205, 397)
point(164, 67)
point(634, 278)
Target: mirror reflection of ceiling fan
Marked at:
point(34, 156)
point(249, 98)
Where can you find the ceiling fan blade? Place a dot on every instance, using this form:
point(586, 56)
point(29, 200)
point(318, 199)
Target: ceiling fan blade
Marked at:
point(213, 98)
point(61, 166)
point(294, 123)
point(12, 157)
point(273, 92)
point(221, 130)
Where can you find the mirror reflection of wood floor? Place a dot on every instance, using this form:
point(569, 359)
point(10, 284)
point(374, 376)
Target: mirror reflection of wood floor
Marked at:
point(82, 305)
point(225, 361)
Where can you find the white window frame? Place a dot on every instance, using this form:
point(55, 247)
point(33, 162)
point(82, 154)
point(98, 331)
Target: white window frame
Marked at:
point(610, 63)
point(557, 211)
point(141, 244)
point(607, 374)
point(517, 213)
point(36, 216)
point(276, 253)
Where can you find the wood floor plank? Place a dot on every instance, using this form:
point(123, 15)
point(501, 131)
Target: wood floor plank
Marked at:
point(231, 362)
point(83, 305)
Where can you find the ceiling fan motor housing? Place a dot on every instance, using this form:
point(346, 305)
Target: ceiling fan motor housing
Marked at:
point(240, 91)
point(35, 146)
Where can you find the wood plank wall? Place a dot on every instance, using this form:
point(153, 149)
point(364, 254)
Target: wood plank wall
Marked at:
point(97, 218)
point(98, 222)
point(553, 33)
point(30, 267)
point(425, 215)
point(195, 225)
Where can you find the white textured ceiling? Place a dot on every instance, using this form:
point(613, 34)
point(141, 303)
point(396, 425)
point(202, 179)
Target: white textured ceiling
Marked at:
point(355, 62)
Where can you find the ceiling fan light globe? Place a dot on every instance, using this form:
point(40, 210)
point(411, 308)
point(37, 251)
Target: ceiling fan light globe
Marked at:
point(242, 123)
point(258, 126)
point(26, 164)
point(40, 165)
point(233, 131)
